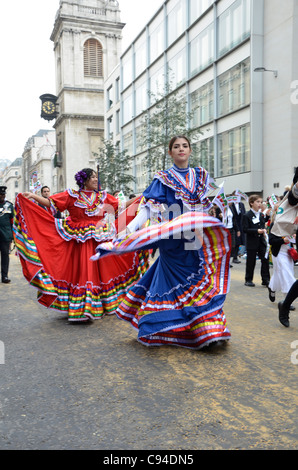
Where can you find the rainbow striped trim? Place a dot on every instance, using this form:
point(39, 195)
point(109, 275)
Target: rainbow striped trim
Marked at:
point(138, 240)
point(99, 232)
point(90, 301)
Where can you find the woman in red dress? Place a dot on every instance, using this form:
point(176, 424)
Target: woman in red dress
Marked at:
point(55, 253)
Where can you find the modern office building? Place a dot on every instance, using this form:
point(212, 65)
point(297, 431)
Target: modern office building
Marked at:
point(248, 117)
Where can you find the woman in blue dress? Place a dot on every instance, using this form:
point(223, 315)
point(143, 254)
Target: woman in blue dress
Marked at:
point(179, 301)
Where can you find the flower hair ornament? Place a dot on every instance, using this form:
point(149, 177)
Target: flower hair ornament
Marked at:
point(81, 177)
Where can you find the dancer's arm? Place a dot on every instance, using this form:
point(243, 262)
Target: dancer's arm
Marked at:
point(139, 220)
point(131, 201)
point(41, 200)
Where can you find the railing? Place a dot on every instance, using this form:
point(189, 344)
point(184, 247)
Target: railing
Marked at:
point(92, 11)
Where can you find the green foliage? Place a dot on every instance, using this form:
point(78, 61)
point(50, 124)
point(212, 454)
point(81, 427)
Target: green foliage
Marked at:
point(167, 117)
point(114, 168)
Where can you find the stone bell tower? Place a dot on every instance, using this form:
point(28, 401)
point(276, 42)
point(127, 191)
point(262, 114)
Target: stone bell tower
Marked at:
point(87, 45)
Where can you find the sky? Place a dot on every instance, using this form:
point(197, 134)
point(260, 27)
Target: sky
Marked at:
point(28, 65)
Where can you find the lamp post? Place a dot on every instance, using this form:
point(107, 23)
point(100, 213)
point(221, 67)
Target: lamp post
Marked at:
point(263, 69)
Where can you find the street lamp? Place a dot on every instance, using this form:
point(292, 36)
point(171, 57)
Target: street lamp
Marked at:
point(262, 69)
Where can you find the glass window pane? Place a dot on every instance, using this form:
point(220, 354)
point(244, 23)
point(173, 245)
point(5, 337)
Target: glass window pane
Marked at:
point(202, 50)
point(157, 84)
point(117, 121)
point(156, 42)
point(127, 142)
point(197, 7)
point(201, 103)
point(141, 98)
point(126, 71)
point(140, 138)
point(234, 151)
point(233, 26)
point(203, 155)
point(177, 69)
point(140, 58)
point(127, 109)
point(176, 21)
point(234, 88)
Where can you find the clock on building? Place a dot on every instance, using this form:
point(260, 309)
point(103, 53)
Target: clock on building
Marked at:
point(48, 106)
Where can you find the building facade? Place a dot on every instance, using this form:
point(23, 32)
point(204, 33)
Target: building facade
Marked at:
point(38, 158)
point(12, 179)
point(213, 48)
point(87, 47)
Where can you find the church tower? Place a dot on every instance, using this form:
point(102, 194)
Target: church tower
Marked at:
point(87, 47)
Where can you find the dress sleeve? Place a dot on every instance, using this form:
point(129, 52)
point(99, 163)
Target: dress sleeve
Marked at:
point(155, 192)
point(59, 202)
point(139, 220)
point(203, 188)
point(154, 198)
point(113, 202)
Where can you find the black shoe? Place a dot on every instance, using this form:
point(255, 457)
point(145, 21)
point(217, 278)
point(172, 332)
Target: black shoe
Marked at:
point(249, 284)
point(236, 261)
point(5, 280)
point(283, 315)
point(271, 294)
point(292, 308)
point(265, 283)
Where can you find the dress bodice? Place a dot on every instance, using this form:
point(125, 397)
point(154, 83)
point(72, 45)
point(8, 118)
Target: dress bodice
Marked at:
point(84, 205)
point(86, 210)
point(179, 189)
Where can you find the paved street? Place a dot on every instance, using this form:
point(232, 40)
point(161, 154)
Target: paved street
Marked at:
point(79, 386)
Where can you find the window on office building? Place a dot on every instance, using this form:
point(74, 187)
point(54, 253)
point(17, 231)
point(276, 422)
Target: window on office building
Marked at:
point(140, 58)
point(234, 88)
point(202, 105)
point(117, 121)
point(141, 95)
point(176, 20)
point(177, 67)
point(141, 174)
point(117, 89)
point(157, 83)
point(109, 97)
point(234, 151)
point(233, 26)
point(127, 70)
point(140, 133)
point(156, 39)
point(203, 155)
point(197, 7)
point(93, 58)
point(127, 109)
point(110, 128)
point(128, 142)
point(202, 50)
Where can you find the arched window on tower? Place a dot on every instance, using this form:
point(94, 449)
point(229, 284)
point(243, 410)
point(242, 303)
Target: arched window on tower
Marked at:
point(93, 58)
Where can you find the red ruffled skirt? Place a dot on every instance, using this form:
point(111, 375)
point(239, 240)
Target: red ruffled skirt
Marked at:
point(61, 270)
